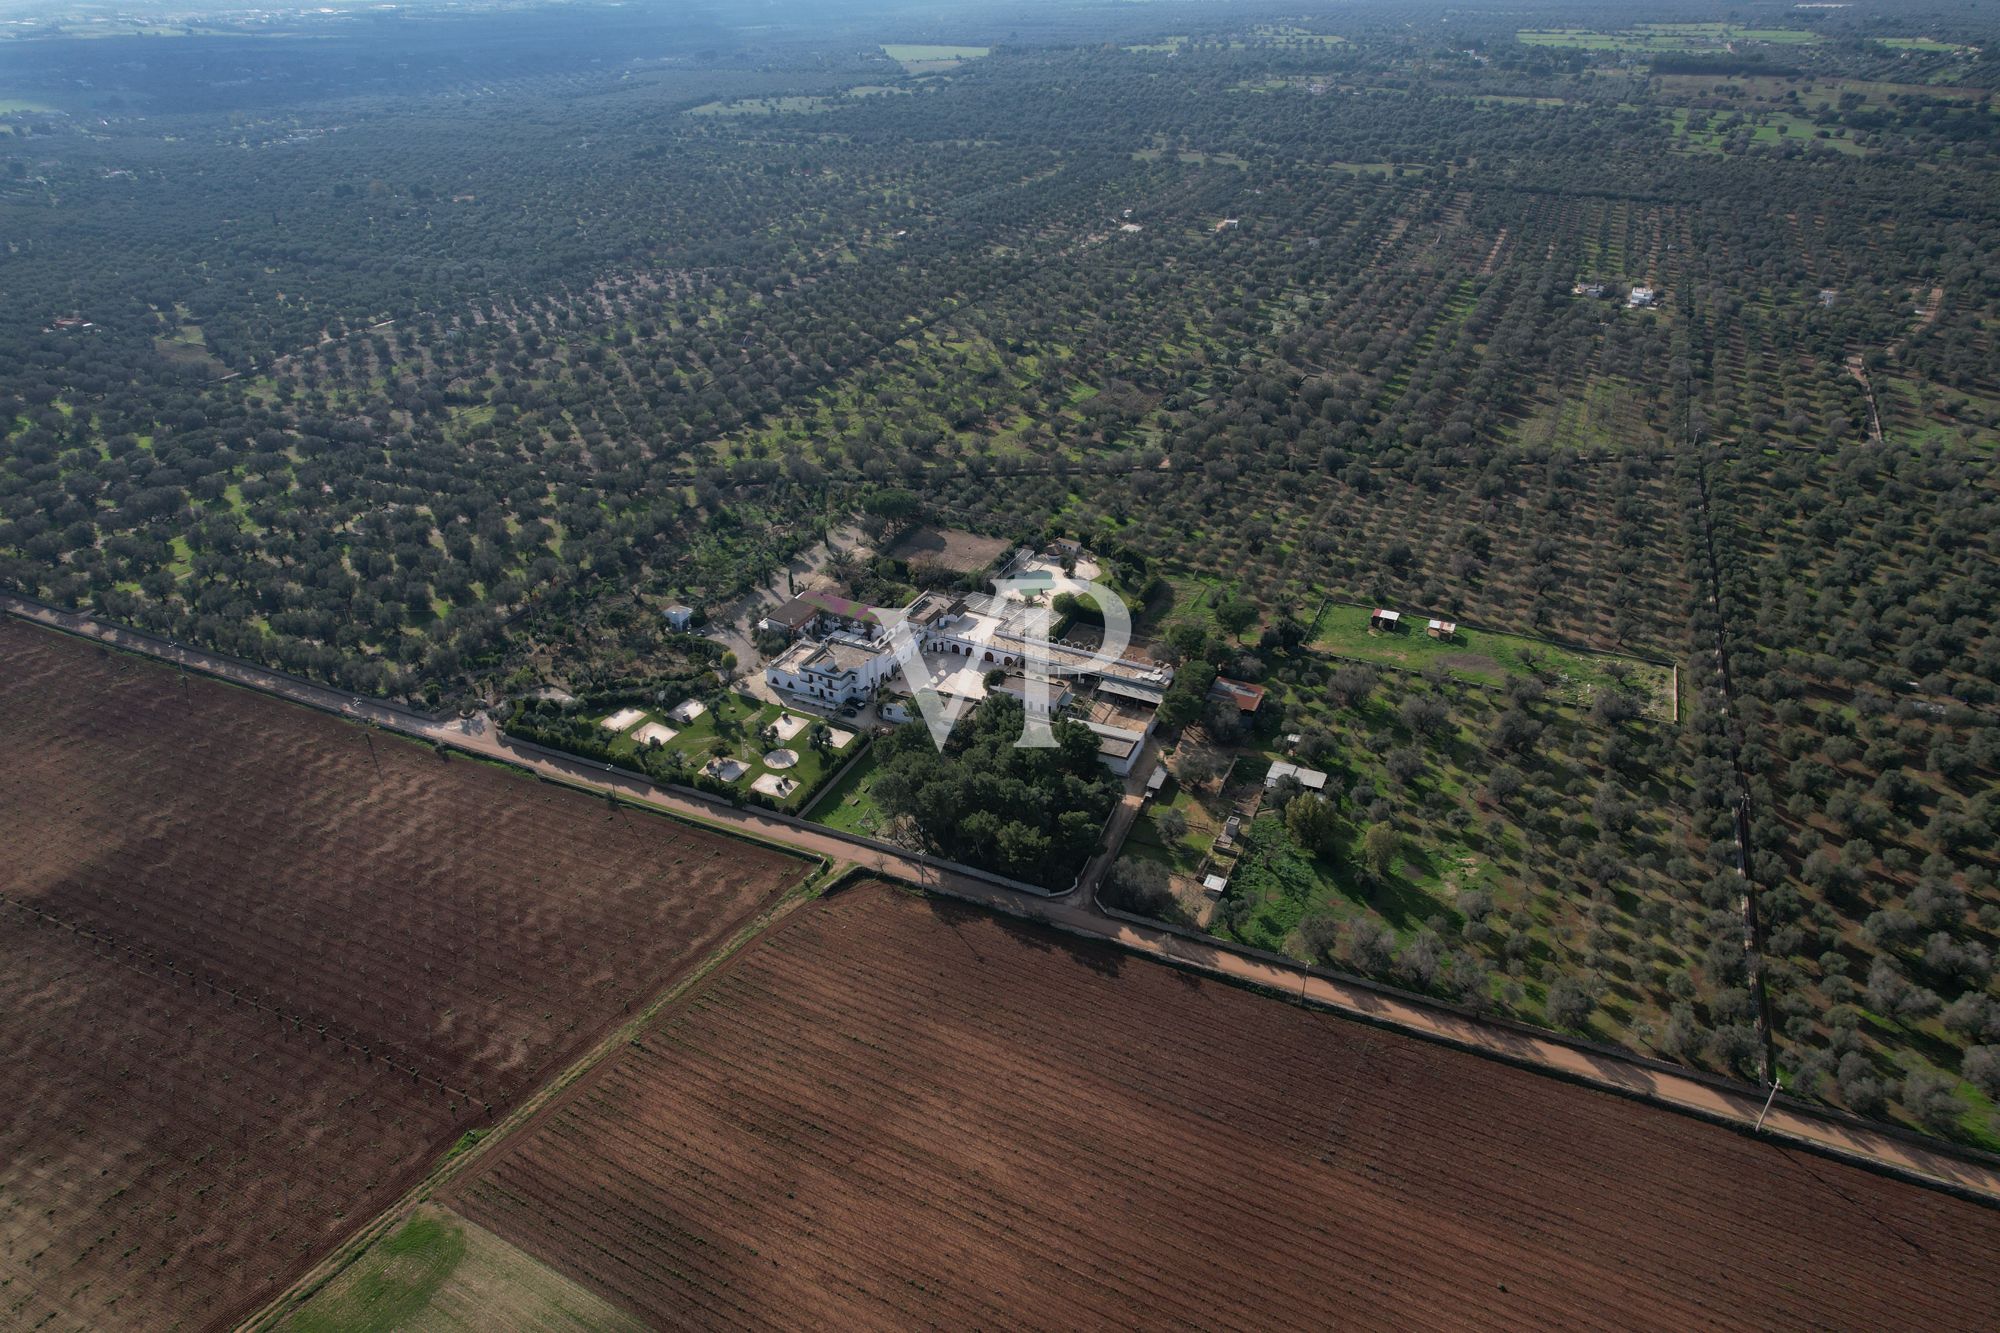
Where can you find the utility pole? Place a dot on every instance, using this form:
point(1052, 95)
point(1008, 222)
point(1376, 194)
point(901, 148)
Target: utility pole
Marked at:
point(1767, 1107)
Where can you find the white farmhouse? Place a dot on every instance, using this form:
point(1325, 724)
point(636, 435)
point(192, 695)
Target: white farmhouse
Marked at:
point(832, 672)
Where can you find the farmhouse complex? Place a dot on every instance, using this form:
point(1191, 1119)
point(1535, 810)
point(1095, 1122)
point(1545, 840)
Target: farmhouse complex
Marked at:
point(846, 655)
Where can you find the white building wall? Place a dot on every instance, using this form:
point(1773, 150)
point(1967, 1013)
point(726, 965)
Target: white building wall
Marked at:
point(855, 686)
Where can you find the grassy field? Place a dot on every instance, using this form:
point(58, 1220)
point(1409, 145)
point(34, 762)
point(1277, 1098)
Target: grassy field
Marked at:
point(1491, 879)
point(1280, 883)
point(1485, 656)
point(1183, 855)
point(917, 58)
point(849, 805)
point(1664, 37)
point(438, 1271)
point(1692, 133)
point(187, 346)
point(1191, 855)
point(1274, 884)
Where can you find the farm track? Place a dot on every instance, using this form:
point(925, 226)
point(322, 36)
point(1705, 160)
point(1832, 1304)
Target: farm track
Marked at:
point(1721, 1101)
point(264, 969)
point(893, 1110)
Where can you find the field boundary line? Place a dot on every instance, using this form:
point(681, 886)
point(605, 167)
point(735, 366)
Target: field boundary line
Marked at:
point(1895, 1152)
point(455, 1163)
point(89, 625)
point(394, 719)
point(484, 738)
point(639, 801)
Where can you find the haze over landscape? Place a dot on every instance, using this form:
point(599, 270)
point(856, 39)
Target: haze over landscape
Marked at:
point(1037, 663)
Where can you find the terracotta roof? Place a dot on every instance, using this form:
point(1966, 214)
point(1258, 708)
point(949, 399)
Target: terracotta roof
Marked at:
point(1248, 698)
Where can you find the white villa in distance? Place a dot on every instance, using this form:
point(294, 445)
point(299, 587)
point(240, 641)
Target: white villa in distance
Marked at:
point(842, 656)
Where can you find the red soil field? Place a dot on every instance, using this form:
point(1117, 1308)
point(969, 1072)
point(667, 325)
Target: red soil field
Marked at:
point(261, 969)
point(893, 1111)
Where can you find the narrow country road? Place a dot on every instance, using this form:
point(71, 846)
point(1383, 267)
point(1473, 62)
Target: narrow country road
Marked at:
point(1738, 1105)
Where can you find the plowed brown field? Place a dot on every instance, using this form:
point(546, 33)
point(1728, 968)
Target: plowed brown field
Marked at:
point(892, 1111)
point(258, 969)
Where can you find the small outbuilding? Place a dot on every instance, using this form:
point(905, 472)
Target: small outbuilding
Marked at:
point(679, 616)
point(1246, 697)
point(1385, 620)
point(792, 618)
point(1442, 629)
point(1117, 748)
point(1309, 778)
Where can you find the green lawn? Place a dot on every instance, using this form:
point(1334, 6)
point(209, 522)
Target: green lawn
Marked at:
point(1182, 856)
point(428, 1272)
point(849, 805)
point(743, 717)
point(1277, 885)
point(1485, 656)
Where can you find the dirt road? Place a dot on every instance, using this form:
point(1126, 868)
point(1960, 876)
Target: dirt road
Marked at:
point(1738, 1105)
point(1123, 816)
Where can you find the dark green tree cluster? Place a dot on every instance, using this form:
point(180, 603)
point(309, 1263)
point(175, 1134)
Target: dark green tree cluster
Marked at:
point(1031, 813)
